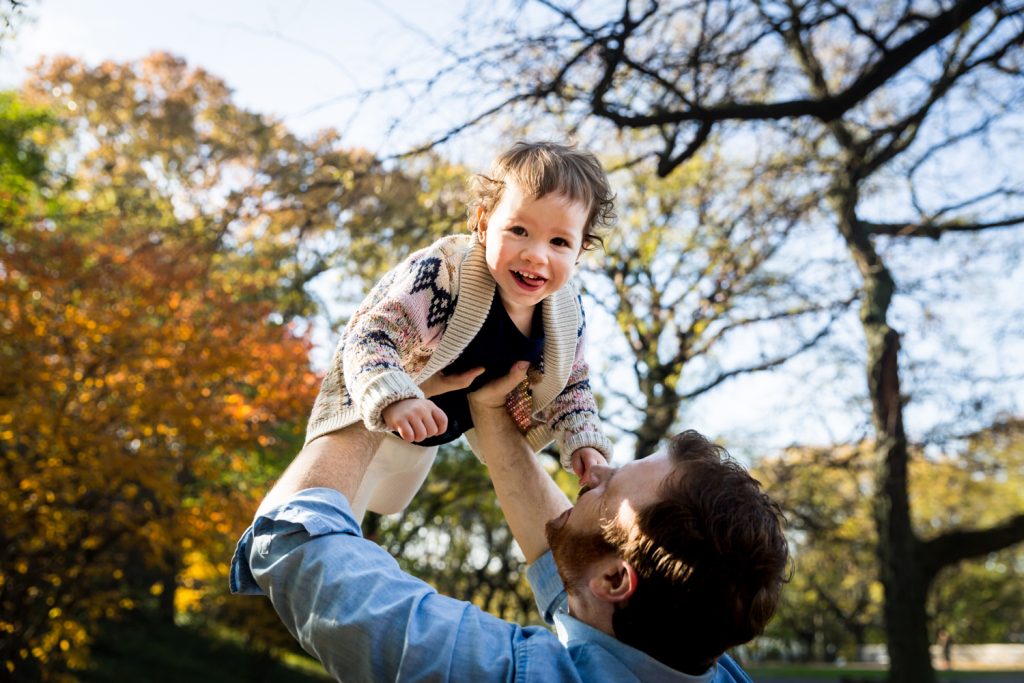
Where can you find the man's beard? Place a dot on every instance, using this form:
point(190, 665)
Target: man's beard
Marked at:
point(575, 551)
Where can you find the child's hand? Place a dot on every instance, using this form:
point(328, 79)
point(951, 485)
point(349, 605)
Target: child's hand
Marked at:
point(585, 458)
point(415, 419)
point(439, 383)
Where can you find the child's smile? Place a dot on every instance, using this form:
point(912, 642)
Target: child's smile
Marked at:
point(529, 281)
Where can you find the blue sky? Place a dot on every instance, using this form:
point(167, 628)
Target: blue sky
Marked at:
point(301, 61)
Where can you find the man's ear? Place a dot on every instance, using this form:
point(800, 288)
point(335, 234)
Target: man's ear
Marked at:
point(615, 580)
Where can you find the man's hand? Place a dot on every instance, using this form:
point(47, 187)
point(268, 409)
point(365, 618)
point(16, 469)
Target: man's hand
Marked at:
point(491, 396)
point(439, 383)
point(415, 419)
point(585, 458)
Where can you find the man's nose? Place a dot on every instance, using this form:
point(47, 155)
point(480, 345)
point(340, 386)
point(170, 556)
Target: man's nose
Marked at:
point(596, 475)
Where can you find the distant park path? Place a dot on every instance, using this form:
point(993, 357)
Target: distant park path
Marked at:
point(956, 677)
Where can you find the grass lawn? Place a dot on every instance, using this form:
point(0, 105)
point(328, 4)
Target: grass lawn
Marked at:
point(814, 672)
point(145, 650)
point(826, 674)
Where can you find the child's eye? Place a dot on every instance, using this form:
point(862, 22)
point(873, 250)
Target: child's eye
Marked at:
point(517, 230)
point(560, 242)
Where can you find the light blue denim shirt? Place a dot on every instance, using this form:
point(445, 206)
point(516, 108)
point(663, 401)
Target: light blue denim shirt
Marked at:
point(347, 602)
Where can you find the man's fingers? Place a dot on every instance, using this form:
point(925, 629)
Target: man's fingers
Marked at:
point(493, 393)
point(463, 379)
point(439, 383)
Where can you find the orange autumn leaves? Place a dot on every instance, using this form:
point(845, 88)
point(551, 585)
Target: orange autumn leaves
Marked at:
point(136, 393)
point(148, 392)
point(155, 283)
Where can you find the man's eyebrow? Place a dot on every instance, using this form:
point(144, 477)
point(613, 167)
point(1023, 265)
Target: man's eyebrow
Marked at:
point(611, 477)
point(603, 510)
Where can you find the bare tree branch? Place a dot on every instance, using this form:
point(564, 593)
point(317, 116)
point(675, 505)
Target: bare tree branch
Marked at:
point(759, 367)
point(936, 230)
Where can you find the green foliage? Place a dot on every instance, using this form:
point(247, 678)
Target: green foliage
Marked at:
point(977, 601)
point(835, 597)
point(22, 159)
point(145, 648)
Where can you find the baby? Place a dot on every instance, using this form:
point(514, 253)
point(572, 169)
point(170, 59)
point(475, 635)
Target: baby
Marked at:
point(462, 311)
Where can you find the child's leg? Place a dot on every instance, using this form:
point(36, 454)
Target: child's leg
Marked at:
point(395, 474)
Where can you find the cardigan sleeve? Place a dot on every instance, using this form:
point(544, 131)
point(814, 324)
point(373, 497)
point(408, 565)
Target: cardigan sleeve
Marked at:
point(393, 333)
point(572, 416)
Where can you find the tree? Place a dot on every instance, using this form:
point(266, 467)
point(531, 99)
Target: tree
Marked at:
point(978, 601)
point(884, 96)
point(11, 13)
point(832, 604)
point(155, 368)
point(835, 599)
point(690, 275)
point(22, 162)
point(136, 391)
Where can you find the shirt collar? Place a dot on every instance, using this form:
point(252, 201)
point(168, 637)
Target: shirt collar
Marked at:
point(574, 633)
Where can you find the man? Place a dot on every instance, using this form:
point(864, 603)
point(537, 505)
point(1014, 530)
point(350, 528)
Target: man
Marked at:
point(660, 567)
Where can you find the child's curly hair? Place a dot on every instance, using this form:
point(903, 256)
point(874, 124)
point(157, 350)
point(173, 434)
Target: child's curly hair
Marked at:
point(539, 168)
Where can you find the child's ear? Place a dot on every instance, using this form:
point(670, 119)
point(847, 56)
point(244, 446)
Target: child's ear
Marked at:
point(481, 224)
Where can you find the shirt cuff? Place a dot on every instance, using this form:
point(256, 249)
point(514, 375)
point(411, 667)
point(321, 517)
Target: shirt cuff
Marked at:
point(548, 590)
point(318, 511)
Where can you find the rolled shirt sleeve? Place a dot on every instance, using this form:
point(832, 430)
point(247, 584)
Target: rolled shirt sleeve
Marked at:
point(349, 605)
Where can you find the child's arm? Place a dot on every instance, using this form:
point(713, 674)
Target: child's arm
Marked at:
point(387, 338)
point(416, 419)
point(573, 418)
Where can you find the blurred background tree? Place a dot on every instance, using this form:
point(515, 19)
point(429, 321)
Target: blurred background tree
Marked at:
point(833, 604)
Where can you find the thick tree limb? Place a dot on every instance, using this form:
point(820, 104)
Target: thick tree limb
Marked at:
point(826, 108)
point(955, 546)
point(937, 230)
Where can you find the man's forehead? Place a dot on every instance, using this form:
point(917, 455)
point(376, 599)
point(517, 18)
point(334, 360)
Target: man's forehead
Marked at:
point(653, 461)
point(641, 478)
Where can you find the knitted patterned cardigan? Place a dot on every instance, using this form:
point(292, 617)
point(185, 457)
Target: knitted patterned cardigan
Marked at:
point(420, 316)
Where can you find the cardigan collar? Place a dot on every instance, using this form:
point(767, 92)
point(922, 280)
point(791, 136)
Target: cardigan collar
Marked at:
point(475, 292)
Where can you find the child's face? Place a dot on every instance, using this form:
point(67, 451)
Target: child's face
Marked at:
point(531, 245)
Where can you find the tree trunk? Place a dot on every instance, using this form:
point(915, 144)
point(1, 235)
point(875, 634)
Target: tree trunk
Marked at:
point(169, 578)
point(905, 586)
point(659, 416)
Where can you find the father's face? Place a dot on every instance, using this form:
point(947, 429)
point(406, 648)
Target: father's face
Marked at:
point(610, 496)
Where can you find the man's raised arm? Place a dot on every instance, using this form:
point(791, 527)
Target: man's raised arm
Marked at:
point(528, 496)
point(337, 460)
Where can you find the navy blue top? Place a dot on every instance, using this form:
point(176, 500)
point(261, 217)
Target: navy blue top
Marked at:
point(497, 345)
